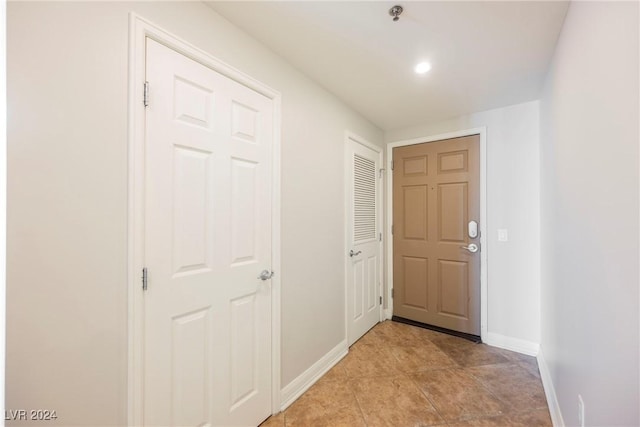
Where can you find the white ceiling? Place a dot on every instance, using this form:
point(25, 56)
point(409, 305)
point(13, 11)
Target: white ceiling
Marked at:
point(484, 54)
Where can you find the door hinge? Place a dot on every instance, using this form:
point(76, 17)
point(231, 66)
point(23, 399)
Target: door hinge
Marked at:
point(380, 234)
point(380, 300)
point(145, 99)
point(392, 164)
point(391, 292)
point(144, 279)
point(391, 229)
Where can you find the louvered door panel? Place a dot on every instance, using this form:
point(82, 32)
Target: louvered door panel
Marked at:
point(364, 199)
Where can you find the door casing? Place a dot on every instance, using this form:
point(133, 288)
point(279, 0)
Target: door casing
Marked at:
point(482, 132)
point(139, 30)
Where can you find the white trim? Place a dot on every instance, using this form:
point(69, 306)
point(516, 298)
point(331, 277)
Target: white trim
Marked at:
point(276, 260)
point(513, 344)
point(3, 199)
point(139, 30)
point(550, 391)
point(298, 386)
point(135, 219)
point(350, 137)
point(482, 131)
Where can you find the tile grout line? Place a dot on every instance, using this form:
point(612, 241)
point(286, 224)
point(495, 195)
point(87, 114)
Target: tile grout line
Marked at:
point(429, 400)
point(355, 396)
point(482, 385)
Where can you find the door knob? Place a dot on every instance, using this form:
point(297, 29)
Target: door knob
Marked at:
point(352, 254)
point(266, 275)
point(473, 248)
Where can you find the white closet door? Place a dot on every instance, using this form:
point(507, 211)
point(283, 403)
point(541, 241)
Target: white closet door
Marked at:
point(363, 266)
point(207, 329)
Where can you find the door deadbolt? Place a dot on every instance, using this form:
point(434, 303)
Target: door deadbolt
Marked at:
point(473, 229)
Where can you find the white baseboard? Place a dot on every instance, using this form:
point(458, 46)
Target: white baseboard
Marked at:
point(388, 313)
point(295, 388)
point(550, 392)
point(513, 344)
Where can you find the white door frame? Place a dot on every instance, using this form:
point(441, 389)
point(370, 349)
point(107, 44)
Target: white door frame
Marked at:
point(139, 30)
point(350, 137)
point(482, 132)
point(3, 201)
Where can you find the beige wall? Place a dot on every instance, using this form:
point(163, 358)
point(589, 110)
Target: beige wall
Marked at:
point(67, 195)
point(513, 177)
point(589, 193)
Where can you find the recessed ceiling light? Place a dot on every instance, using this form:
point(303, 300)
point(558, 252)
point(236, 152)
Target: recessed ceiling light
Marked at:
point(422, 68)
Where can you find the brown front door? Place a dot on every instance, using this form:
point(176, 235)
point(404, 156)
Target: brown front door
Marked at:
point(436, 193)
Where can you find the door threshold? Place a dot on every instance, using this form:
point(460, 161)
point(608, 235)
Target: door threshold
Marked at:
point(476, 339)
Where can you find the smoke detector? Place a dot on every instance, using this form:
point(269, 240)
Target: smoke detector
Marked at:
point(396, 11)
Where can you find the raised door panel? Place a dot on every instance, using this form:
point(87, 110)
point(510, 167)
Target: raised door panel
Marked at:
point(372, 283)
point(415, 277)
point(453, 288)
point(192, 213)
point(453, 161)
point(193, 103)
point(191, 370)
point(415, 166)
point(358, 289)
point(244, 206)
point(415, 212)
point(244, 349)
point(452, 212)
point(245, 123)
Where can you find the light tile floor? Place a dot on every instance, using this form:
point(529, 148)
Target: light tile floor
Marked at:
point(399, 375)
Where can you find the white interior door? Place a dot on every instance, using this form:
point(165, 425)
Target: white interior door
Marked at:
point(363, 238)
point(207, 315)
